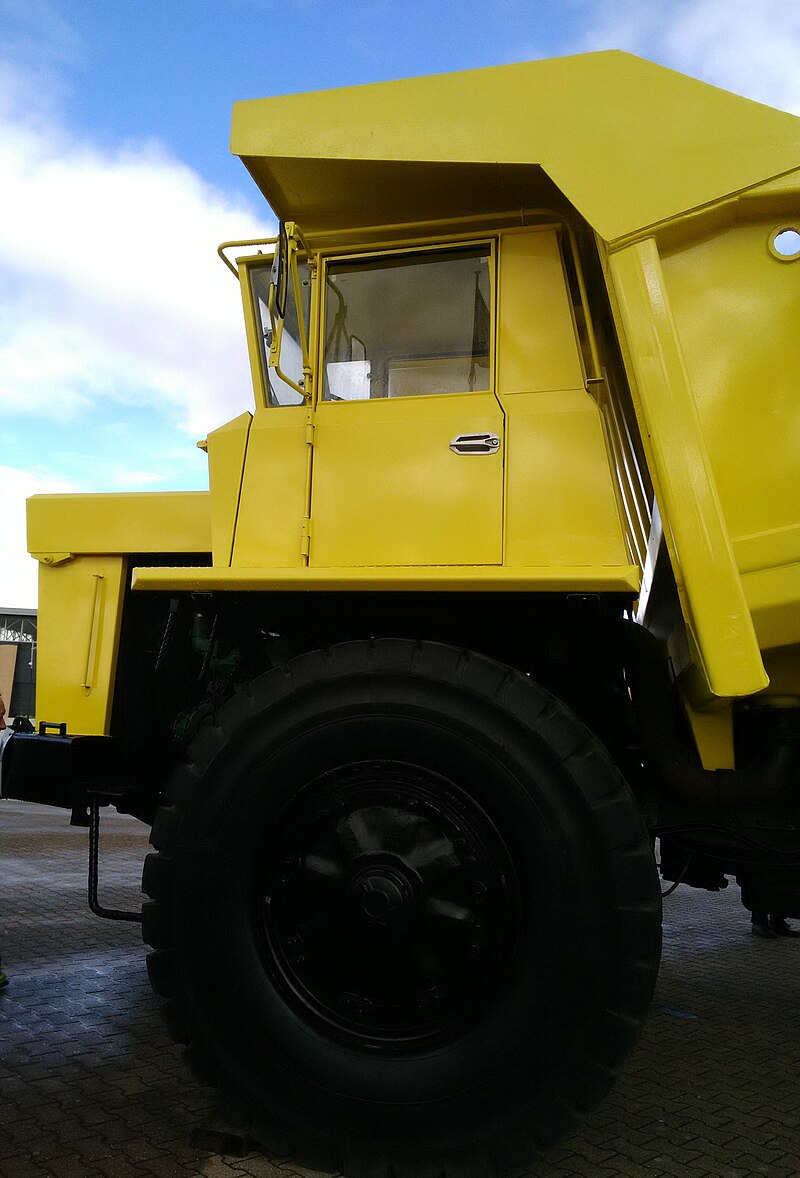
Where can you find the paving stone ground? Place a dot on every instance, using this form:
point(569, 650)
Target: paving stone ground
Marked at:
point(90, 1084)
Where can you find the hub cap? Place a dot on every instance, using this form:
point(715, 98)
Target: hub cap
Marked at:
point(388, 913)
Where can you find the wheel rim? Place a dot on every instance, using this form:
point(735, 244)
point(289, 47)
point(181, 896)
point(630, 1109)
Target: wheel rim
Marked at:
point(388, 912)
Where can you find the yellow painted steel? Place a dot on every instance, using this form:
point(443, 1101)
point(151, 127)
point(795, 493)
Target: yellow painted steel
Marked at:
point(469, 579)
point(561, 506)
point(736, 307)
point(80, 593)
point(773, 595)
point(226, 451)
point(152, 521)
point(627, 142)
point(244, 248)
point(713, 735)
point(80, 610)
point(716, 611)
point(273, 498)
point(537, 346)
point(388, 490)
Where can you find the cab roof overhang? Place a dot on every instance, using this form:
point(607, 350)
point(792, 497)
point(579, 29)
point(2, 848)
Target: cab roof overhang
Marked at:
point(628, 143)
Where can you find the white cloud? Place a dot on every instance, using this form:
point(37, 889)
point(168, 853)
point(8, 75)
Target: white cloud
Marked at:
point(113, 290)
point(18, 571)
point(750, 48)
point(111, 293)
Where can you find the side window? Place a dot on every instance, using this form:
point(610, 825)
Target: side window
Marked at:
point(279, 392)
point(408, 325)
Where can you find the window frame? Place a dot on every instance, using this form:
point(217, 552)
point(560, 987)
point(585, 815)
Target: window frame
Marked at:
point(256, 344)
point(264, 351)
point(441, 248)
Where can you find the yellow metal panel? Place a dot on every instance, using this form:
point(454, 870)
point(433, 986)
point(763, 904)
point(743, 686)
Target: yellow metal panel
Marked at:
point(772, 546)
point(170, 521)
point(737, 309)
point(713, 734)
point(475, 579)
point(388, 490)
point(226, 451)
point(774, 598)
point(80, 609)
point(273, 499)
point(629, 143)
point(537, 348)
point(694, 525)
point(561, 508)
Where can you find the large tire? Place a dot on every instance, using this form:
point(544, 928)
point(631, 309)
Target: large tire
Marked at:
point(404, 911)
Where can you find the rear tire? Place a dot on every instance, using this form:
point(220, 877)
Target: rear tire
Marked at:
point(404, 911)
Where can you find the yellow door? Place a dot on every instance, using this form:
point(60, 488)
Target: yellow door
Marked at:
point(408, 444)
point(392, 486)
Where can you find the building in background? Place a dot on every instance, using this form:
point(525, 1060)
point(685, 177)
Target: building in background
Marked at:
point(18, 660)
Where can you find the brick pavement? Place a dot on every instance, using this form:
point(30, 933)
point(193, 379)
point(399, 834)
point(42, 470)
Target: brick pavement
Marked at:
point(91, 1085)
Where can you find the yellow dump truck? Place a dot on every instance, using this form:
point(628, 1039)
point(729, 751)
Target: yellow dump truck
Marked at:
point(498, 584)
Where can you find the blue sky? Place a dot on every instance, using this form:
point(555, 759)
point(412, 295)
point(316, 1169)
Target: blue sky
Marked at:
point(120, 337)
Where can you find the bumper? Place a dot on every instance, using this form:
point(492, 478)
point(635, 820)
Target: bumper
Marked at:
point(53, 770)
point(68, 771)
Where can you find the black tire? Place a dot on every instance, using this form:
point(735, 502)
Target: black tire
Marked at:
point(404, 911)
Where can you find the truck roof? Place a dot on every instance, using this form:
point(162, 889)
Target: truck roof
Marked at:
point(629, 143)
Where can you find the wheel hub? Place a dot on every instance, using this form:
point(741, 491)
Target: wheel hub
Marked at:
point(382, 898)
point(391, 916)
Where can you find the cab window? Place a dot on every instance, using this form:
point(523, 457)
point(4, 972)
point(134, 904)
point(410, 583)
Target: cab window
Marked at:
point(291, 356)
point(408, 325)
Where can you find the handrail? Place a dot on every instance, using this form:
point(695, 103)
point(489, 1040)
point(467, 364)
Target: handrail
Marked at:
point(226, 245)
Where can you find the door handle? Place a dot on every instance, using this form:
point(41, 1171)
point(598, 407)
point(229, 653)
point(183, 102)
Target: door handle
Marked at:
point(475, 444)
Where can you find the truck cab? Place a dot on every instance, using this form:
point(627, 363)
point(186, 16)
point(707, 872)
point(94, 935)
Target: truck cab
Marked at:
point(440, 414)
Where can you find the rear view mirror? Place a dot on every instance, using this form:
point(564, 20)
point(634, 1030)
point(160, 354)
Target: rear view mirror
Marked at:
point(280, 271)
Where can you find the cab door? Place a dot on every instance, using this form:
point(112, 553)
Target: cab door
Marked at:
point(409, 436)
